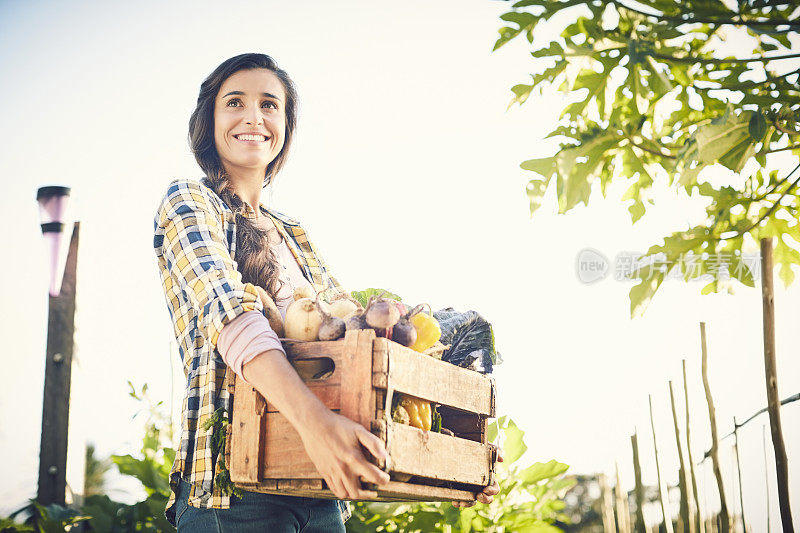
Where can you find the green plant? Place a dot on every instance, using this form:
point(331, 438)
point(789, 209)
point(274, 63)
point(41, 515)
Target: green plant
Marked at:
point(42, 519)
point(529, 500)
point(654, 102)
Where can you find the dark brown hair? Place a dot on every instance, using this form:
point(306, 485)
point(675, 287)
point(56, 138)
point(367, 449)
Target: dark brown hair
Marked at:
point(256, 260)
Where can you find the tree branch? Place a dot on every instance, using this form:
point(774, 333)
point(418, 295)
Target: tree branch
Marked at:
point(719, 61)
point(650, 150)
point(791, 147)
point(715, 21)
point(775, 205)
point(782, 130)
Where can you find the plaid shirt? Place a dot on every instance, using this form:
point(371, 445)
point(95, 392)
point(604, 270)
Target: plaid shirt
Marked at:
point(195, 244)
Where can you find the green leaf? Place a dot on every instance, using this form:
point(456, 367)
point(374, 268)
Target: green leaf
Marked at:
point(726, 140)
point(757, 126)
point(514, 447)
point(536, 190)
point(363, 297)
point(540, 471)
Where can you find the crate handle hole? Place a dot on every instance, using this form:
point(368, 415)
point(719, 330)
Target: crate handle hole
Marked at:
point(317, 369)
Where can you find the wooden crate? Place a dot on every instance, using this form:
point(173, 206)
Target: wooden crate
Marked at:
point(265, 453)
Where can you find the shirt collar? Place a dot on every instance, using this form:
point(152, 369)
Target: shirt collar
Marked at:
point(286, 220)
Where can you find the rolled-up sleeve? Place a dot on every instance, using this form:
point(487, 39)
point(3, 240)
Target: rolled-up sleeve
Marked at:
point(190, 240)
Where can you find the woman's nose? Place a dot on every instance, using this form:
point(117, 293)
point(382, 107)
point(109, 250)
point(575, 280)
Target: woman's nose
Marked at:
point(254, 119)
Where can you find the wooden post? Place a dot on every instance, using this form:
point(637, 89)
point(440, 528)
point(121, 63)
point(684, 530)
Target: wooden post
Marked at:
point(607, 509)
point(766, 472)
point(688, 525)
point(771, 371)
point(723, 513)
point(623, 515)
point(663, 498)
point(57, 380)
point(694, 507)
point(739, 472)
point(639, 526)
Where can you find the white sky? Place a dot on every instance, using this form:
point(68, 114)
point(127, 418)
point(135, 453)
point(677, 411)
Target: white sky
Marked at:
point(406, 174)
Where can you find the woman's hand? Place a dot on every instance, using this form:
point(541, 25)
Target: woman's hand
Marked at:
point(334, 444)
point(487, 494)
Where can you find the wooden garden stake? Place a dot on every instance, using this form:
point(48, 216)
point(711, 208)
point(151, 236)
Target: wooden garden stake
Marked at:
point(723, 513)
point(739, 472)
point(663, 498)
point(688, 525)
point(623, 514)
point(766, 471)
point(639, 526)
point(771, 371)
point(694, 506)
point(608, 510)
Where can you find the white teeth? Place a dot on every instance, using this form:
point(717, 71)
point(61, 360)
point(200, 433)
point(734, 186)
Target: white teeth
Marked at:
point(245, 137)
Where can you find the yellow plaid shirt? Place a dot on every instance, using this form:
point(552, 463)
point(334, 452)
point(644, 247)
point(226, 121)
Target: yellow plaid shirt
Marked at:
point(195, 245)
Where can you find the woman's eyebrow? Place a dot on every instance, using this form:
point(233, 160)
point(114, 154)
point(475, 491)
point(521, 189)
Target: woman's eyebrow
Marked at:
point(268, 95)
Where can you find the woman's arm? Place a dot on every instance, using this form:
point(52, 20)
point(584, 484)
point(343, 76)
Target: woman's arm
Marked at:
point(332, 441)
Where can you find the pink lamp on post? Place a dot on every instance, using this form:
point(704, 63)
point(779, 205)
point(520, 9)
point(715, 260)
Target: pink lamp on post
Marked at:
point(63, 253)
point(53, 201)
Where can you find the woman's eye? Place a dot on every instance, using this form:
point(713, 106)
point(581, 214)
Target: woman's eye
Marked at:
point(232, 100)
point(273, 104)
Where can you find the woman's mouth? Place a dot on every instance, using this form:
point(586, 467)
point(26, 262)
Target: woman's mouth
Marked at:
point(250, 138)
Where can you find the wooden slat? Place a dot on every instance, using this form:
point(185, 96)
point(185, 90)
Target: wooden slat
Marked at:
point(437, 456)
point(357, 398)
point(428, 378)
point(285, 456)
point(391, 492)
point(301, 484)
point(397, 491)
point(248, 431)
point(328, 393)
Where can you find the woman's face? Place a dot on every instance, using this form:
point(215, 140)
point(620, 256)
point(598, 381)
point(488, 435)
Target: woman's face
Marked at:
point(250, 102)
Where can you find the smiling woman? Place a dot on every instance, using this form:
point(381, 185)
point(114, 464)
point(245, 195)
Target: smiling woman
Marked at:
point(221, 266)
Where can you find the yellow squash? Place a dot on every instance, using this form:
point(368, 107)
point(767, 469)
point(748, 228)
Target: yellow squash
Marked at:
point(419, 411)
point(428, 331)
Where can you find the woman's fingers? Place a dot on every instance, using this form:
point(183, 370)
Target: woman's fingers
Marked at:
point(336, 486)
point(372, 443)
point(461, 504)
point(492, 489)
point(369, 472)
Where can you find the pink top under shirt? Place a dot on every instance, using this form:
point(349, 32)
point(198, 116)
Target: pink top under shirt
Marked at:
point(250, 334)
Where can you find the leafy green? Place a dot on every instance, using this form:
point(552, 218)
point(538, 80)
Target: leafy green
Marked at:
point(363, 296)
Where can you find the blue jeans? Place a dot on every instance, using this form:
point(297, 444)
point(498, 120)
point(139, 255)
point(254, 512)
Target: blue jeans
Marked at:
point(257, 512)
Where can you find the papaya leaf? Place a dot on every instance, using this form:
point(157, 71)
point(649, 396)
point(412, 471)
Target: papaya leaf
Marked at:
point(727, 141)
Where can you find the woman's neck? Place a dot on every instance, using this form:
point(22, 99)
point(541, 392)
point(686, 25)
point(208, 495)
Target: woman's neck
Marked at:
point(247, 184)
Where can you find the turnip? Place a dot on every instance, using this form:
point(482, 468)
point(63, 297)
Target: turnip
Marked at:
point(382, 313)
point(304, 291)
point(332, 327)
point(303, 319)
point(404, 331)
point(356, 321)
point(343, 309)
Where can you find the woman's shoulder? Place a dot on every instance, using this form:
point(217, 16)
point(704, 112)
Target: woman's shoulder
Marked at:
point(191, 192)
